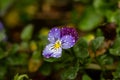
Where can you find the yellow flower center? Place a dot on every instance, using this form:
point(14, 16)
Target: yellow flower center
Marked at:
point(57, 44)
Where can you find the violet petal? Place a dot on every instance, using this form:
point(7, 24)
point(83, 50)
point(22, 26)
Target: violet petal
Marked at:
point(54, 34)
point(67, 41)
point(50, 51)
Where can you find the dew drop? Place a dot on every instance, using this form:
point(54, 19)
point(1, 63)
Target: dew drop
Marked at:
point(73, 40)
point(55, 29)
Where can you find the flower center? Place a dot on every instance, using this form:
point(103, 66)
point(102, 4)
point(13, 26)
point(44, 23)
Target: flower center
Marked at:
point(57, 44)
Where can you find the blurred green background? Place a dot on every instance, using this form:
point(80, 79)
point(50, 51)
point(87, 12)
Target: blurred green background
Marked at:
point(24, 26)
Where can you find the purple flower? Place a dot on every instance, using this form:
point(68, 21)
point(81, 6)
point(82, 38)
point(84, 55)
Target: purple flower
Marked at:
point(60, 38)
point(3, 36)
point(1, 26)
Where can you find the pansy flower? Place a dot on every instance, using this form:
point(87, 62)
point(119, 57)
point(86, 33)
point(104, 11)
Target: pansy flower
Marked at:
point(1, 26)
point(60, 38)
point(2, 33)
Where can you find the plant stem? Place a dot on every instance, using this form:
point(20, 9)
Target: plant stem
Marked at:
point(98, 67)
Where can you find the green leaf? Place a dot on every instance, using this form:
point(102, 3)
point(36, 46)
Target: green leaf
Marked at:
point(16, 76)
point(98, 3)
point(112, 16)
point(116, 43)
point(116, 74)
point(27, 33)
point(86, 77)
point(2, 35)
point(66, 57)
point(24, 45)
point(81, 49)
point(24, 4)
point(14, 48)
point(3, 71)
point(20, 77)
point(102, 6)
point(96, 43)
point(89, 20)
point(115, 51)
point(2, 54)
point(99, 32)
point(58, 66)
point(46, 69)
point(36, 55)
point(105, 60)
point(4, 5)
point(71, 72)
point(118, 17)
point(21, 59)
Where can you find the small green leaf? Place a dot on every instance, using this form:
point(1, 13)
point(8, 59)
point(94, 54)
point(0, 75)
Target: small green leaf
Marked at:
point(90, 19)
point(117, 16)
point(2, 54)
point(20, 77)
point(27, 33)
point(98, 3)
point(115, 51)
point(45, 69)
point(2, 35)
point(116, 43)
point(58, 66)
point(116, 74)
point(4, 5)
point(102, 6)
point(14, 48)
point(105, 60)
point(86, 77)
point(21, 59)
point(3, 71)
point(99, 32)
point(24, 45)
point(36, 55)
point(96, 43)
point(111, 16)
point(16, 76)
point(81, 49)
point(71, 72)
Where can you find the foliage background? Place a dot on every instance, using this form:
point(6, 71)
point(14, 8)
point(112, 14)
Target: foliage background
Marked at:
point(96, 56)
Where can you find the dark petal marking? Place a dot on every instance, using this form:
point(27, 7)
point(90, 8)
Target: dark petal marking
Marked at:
point(69, 31)
point(47, 55)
